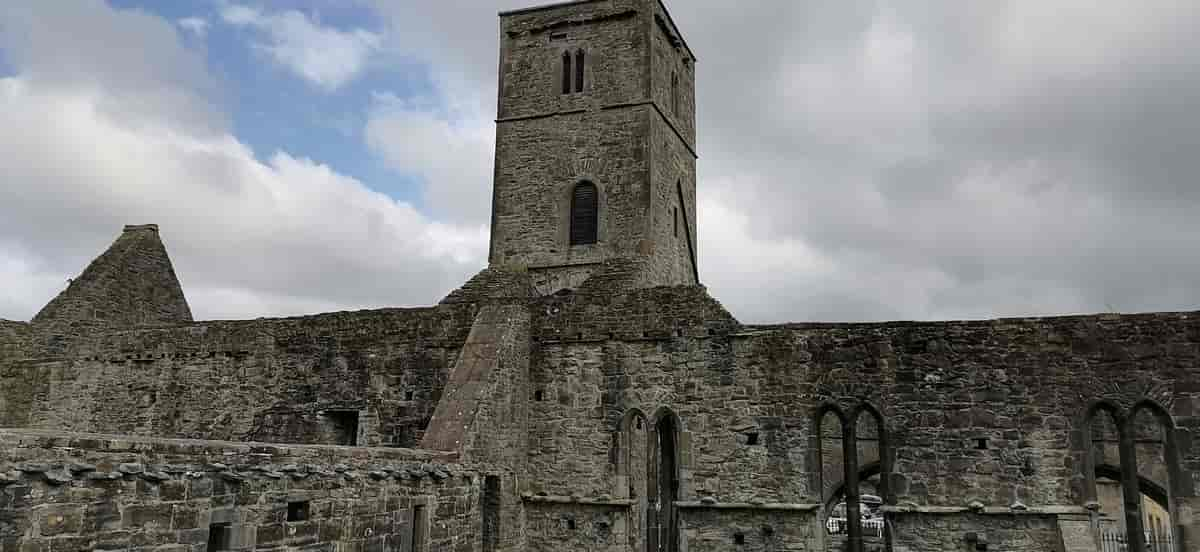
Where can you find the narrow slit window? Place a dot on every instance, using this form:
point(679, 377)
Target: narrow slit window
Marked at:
point(675, 216)
point(419, 532)
point(566, 73)
point(584, 214)
point(675, 94)
point(579, 59)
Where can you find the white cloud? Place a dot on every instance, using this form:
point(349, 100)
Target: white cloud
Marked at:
point(454, 156)
point(325, 56)
point(195, 25)
point(249, 236)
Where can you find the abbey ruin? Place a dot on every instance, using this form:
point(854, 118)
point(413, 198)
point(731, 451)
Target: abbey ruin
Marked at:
point(584, 392)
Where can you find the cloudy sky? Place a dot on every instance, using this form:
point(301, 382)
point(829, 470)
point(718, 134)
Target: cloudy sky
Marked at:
point(860, 160)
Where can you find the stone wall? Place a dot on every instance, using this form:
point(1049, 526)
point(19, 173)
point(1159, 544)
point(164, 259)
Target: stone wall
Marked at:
point(988, 412)
point(86, 492)
point(612, 36)
point(966, 532)
point(130, 284)
point(611, 134)
point(296, 380)
point(538, 164)
point(13, 336)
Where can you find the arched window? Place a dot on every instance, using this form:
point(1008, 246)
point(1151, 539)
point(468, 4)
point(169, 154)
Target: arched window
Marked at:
point(585, 215)
point(1142, 434)
point(579, 71)
point(857, 445)
point(566, 73)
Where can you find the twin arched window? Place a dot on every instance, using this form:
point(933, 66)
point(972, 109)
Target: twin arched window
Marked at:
point(585, 214)
point(573, 80)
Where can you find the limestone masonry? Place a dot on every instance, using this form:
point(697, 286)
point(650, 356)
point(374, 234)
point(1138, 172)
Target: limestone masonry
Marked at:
point(584, 392)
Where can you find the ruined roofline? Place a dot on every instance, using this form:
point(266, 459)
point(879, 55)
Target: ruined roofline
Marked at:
point(670, 21)
point(981, 322)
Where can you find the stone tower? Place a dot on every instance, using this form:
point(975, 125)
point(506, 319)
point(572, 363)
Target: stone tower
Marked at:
point(595, 145)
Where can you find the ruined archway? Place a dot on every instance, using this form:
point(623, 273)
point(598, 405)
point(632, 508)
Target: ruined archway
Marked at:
point(663, 482)
point(1134, 488)
point(870, 419)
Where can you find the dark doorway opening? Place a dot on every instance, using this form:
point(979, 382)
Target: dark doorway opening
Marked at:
point(220, 536)
point(491, 513)
point(664, 481)
point(344, 425)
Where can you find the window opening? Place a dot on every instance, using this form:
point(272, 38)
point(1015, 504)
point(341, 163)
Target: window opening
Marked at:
point(1145, 433)
point(219, 536)
point(675, 217)
point(981, 443)
point(584, 214)
point(491, 512)
point(855, 521)
point(298, 511)
point(539, 395)
point(344, 426)
point(675, 93)
point(566, 73)
point(664, 481)
point(408, 395)
point(739, 538)
point(579, 58)
point(419, 528)
point(752, 438)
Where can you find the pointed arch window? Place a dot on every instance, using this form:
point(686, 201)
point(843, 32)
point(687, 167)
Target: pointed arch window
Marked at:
point(566, 73)
point(585, 214)
point(579, 62)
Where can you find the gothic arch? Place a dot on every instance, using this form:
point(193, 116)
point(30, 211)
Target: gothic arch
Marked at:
point(850, 469)
point(622, 444)
point(1132, 483)
point(663, 479)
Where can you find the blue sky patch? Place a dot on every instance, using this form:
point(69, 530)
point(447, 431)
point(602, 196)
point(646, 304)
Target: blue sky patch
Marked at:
point(274, 109)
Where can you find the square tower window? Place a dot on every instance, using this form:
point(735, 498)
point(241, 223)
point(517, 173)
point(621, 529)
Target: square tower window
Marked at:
point(298, 511)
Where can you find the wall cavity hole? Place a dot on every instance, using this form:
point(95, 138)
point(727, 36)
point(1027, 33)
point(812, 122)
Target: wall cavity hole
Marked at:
point(298, 511)
point(571, 524)
point(539, 395)
point(752, 438)
point(981, 443)
point(408, 395)
point(739, 538)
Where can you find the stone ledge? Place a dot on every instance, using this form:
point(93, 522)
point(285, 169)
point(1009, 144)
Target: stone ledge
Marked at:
point(13, 438)
point(543, 499)
point(990, 510)
point(793, 507)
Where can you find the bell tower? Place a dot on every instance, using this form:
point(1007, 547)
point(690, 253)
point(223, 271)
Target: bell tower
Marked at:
point(595, 144)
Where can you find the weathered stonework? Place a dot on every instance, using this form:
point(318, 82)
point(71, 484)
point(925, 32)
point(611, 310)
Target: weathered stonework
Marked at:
point(589, 397)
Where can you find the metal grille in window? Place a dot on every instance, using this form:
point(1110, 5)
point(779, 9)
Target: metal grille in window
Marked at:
point(584, 214)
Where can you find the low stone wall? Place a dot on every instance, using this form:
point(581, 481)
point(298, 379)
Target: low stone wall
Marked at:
point(97, 492)
point(922, 532)
point(748, 530)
